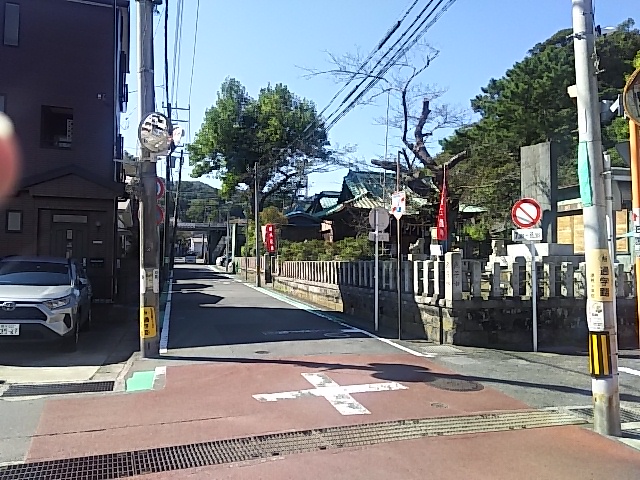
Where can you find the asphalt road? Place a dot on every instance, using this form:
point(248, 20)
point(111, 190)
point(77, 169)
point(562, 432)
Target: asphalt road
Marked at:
point(228, 342)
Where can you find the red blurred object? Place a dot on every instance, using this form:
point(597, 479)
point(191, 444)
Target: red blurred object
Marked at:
point(270, 237)
point(9, 159)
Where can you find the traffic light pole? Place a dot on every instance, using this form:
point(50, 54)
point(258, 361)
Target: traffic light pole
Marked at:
point(603, 341)
point(149, 238)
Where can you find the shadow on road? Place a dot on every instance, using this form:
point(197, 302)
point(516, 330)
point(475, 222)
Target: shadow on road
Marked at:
point(398, 373)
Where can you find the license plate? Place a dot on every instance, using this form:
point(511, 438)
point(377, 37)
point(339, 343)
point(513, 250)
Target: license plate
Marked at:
point(9, 329)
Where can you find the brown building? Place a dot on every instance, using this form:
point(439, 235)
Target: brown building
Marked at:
point(62, 82)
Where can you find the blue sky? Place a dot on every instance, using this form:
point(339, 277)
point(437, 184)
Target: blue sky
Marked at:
point(260, 42)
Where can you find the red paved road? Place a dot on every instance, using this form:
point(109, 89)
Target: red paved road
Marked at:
point(213, 401)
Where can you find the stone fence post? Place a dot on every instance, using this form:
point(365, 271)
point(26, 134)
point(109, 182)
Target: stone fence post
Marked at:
point(452, 276)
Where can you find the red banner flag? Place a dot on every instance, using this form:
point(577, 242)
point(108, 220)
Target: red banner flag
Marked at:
point(442, 230)
point(270, 238)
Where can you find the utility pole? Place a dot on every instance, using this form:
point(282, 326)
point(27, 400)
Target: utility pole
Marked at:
point(399, 259)
point(634, 146)
point(603, 341)
point(166, 261)
point(257, 221)
point(149, 238)
point(174, 234)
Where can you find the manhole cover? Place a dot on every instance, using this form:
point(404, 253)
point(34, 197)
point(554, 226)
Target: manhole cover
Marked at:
point(455, 384)
point(28, 390)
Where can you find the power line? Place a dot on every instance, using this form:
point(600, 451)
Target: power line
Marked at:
point(193, 64)
point(409, 43)
point(381, 43)
point(193, 56)
point(177, 44)
point(369, 75)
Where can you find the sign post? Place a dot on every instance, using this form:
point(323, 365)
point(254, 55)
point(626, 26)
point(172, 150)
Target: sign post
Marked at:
point(526, 214)
point(379, 221)
point(398, 207)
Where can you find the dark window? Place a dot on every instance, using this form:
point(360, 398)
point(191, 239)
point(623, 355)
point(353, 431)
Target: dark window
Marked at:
point(34, 273)
point(57, 127)
point(3, 103)
point(14, 221)
point(11, 24)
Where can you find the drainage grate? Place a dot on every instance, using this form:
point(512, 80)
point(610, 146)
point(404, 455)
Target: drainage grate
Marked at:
point(626, 415)
point(32, 389)
point(166, 459)
point(455, 384)
point(440, 349)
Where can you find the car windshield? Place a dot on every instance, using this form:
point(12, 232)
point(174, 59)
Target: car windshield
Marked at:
point(34, 273)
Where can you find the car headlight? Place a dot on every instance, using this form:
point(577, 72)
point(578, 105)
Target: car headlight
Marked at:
point(58, 302)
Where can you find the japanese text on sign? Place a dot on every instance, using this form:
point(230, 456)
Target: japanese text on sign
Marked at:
point(270, 237)
point(600, 282)
point(148, 327)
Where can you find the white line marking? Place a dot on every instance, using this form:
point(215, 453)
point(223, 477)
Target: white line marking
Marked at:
point(158, 372)
point(338, 396)
point(311, 310)
point(164, 335)
point(630, 371)
point(288, 332)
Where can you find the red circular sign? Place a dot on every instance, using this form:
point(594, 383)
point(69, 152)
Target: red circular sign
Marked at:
point(159, 187)
point(159, 214)
point(526, 213)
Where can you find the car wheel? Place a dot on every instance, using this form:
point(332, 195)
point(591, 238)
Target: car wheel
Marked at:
point(70, 342)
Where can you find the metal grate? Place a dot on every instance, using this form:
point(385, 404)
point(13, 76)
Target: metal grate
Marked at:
point(127, 464)
point(440, 349)
point(626, 415)
point(31, 389)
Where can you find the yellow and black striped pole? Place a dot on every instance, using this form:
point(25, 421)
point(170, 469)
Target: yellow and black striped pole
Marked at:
point(599, 355)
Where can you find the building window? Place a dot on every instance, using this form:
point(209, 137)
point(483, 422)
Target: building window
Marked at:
point(11, 24)
point(14, 221)
point(57, 127)
point(3, 102)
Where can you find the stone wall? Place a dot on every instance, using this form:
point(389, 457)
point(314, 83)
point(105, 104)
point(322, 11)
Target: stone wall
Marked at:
point(499, 323)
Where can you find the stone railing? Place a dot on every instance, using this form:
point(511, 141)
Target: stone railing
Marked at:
point(456, 279)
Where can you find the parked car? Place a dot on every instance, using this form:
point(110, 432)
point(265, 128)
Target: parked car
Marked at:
point(44, 298)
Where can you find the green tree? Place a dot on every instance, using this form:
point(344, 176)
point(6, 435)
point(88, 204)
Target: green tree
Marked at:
point(279, 132)
point(528, 105)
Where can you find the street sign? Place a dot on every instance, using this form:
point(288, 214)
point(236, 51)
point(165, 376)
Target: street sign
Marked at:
point(527, 235)
point(631, 97)
point(159, 214)
point(398, 204)
point(153, 133)
point(382, 236)
point(526, 213)
point(160, 188)
point(383, 218)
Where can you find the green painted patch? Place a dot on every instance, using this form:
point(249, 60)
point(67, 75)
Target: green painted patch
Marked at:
point(140, 381)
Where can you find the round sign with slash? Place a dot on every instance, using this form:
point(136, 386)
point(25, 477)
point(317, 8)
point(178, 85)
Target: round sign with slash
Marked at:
point(526, 213)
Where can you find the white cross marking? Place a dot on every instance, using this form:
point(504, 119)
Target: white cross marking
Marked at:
point(338, 396)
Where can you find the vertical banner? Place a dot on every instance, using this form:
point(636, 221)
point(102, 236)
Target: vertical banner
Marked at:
point(442, 230)
point(270, 237)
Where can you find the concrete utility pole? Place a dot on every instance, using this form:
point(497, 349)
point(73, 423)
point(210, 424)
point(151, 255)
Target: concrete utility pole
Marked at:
point(603, 341)
point(399, 259)
point(149, 238)
point(257, 221)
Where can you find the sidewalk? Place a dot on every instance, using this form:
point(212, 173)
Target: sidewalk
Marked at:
point(255, 388)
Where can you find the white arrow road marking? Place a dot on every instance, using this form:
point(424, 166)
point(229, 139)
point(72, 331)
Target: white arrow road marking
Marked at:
point(339, 396)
